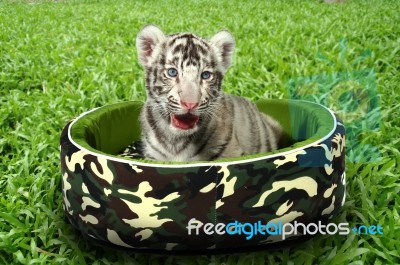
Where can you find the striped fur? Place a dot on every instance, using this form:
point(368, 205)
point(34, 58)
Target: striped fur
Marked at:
point(187, 117)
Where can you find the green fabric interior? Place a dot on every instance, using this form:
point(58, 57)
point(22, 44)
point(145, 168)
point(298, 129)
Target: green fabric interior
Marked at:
point(110, 129)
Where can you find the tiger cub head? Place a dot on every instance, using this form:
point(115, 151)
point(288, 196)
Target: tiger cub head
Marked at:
point(184, 74)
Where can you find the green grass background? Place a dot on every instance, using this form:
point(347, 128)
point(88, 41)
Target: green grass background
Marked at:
point(58, 59)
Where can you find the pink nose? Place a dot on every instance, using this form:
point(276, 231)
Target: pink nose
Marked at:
point(189, 105)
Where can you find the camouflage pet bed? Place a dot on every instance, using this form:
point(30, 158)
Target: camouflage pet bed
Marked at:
point(223, 205)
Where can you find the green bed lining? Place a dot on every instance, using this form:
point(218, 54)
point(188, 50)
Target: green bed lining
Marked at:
point(110, 129)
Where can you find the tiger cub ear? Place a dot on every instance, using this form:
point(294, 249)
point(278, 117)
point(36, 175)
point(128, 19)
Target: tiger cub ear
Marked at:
point(146, 42)
point(225, 44)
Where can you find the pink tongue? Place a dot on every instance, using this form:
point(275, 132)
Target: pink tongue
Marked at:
point(185, 121)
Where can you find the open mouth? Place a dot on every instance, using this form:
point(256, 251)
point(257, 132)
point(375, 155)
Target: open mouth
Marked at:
point(184, 121)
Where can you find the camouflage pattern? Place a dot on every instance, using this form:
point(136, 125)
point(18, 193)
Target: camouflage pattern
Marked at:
point(148, 208)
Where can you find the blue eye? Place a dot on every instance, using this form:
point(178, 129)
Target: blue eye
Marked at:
point(205, 75)
point(172, 72)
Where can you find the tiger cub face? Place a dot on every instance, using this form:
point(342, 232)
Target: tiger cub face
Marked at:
point(183, 75)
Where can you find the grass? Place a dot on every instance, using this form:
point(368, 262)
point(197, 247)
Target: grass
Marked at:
point(58, 59)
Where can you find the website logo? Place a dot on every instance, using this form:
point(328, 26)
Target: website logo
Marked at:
point(249, 230)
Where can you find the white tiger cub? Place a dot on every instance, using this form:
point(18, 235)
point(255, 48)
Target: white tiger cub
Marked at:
point(187, 117)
